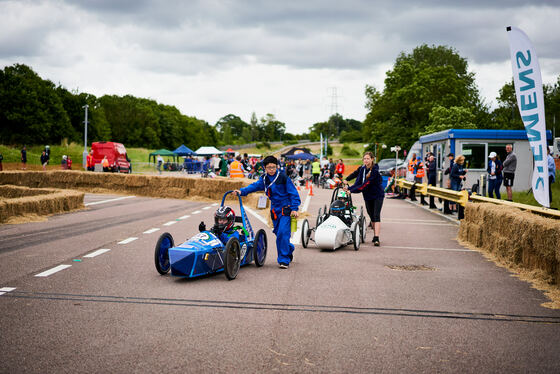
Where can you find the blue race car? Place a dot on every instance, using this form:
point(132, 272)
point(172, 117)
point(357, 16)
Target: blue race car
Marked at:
point(211, 252)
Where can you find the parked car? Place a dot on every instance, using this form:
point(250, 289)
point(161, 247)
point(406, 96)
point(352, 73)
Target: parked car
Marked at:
point(116, 154)
point(387, 164)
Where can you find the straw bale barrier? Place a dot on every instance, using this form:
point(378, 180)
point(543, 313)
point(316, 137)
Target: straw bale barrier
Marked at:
point(21, 201)
point(518, 238)
point(139, 185)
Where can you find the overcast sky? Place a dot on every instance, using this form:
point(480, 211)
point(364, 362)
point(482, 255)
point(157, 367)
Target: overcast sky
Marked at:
point(296, 59)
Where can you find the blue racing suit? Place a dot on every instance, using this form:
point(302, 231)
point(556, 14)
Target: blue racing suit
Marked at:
point(284, 199)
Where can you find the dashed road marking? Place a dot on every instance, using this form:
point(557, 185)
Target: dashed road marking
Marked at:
point(109, 200)
point(97, 253)
point(150, 231)
point(306, 203)
point(127, 240)
point(169, 223)
point(206, 207)
point(196, 212)
point(53, 270)
point(4, 290)
point(184, 217)
point(215, 204)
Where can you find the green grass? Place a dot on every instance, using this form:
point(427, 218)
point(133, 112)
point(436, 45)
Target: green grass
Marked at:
point(73, 150)
point(526, 197)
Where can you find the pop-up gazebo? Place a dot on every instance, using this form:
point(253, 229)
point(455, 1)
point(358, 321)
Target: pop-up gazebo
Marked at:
point(208, 151)
point(162, 153)
point(183, 150)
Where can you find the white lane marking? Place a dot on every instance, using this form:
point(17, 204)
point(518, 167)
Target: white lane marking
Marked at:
point(4, 290)
point(110, 200)
point(196, 212)
point(431, 249)
point(206, 207)
point(127, 240)
point(97, 253)
point(306, 203)
point(256, 215)
point(150, 231)
point(170, 223)
point(53, 270)
point(215, 204)
point(184, 217)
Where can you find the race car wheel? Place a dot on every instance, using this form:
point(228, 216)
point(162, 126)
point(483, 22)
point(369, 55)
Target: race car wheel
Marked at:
point(260, 246)
point(319, 215)
point(305, 233)
point(356, 237)
point(161, 255)
point(232, 258)
point(363, 228)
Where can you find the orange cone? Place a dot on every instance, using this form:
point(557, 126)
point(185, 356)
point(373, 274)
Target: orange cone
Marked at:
point(311, 189)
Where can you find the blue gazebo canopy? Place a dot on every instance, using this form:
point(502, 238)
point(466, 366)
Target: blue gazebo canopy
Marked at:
point(183, 151)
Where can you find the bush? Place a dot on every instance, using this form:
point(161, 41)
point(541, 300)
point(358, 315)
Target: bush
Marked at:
point(350, 152)
point(290, 142)
point(329, 150)
point(265, 145)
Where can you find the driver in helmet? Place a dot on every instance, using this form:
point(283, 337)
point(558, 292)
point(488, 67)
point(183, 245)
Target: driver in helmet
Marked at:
point(338, 209)
point(224, 221)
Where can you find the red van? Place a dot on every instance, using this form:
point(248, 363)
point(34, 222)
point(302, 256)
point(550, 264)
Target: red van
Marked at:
point(116, 154)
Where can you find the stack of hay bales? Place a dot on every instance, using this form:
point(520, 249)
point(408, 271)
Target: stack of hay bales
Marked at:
point(514, 236)
point(21, 201)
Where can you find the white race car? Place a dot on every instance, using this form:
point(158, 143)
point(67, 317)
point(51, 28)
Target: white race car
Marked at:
point(338, 226)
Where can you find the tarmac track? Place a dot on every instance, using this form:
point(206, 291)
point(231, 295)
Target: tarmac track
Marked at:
point(336, 311)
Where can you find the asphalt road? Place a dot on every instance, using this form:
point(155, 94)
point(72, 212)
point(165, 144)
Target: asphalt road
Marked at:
point(342, 311)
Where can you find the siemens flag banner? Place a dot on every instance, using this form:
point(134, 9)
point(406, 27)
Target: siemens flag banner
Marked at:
point(529, 92)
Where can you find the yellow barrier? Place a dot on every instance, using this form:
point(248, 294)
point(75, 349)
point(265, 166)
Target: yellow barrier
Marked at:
point(462, 197)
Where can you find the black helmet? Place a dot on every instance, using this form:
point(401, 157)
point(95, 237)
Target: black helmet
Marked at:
point(337, 208)
point(224, 213)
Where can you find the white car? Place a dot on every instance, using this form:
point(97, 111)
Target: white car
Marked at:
point(338, 226)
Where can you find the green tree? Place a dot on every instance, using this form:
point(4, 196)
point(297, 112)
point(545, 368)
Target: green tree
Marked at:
point(30, 110)
point(449, 118)
point(235, 126)
point(430, 76)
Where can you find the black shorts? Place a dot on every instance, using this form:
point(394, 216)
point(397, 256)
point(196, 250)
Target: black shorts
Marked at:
point(508, 179)
point(373, 208)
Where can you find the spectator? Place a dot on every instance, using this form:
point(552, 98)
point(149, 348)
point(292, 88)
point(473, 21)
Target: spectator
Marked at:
point(68, 163)
point(494, 175)
point(224, 164)
point(105, 163)
point(159, 161)
point(216, 164)
point(340, 168)
point(431, 167)
point(63, 163)
point(90, 163)
point(48, 152)
point(316, 171)
point(44, 160)
point(451, 205)
point(510, 164)
point(551, 173)
point(24, 158)
point(324, 163)
point(458, 173)
point(1, 158)
point(236, 168)
point(369, 183)
point(332, 168)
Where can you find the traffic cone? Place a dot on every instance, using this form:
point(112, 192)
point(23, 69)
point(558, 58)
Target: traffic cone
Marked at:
point(311, 190)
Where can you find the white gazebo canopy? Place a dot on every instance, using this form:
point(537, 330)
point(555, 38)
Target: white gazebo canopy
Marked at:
point(208, 151)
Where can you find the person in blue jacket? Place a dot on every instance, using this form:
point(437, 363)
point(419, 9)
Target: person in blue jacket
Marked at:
point(285, 202)
point(369, 183)
point(494, 175)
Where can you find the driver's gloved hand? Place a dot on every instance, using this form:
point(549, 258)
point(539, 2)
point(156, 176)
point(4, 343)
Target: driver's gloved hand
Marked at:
point(202, 226)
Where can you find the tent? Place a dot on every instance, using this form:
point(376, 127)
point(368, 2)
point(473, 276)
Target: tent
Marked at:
point(229, 150)
point(295, 151)
point(163, 153)
point(208, 151)
point(301, 156)
point(183, 151)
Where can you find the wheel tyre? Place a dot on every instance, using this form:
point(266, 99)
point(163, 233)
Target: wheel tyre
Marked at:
point(319, 216)
point(232, 258)
point(363, 229)
point(305, 233)
point(260, 246)
point(356, 237)
point(161, 255)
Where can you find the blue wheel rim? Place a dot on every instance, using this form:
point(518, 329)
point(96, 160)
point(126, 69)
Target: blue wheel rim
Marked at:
point(163, 254)
point(261, 248)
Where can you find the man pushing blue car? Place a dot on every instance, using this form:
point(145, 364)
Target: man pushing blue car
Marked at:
point(285, 203)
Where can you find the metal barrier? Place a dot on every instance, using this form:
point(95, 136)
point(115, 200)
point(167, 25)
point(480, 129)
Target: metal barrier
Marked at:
point(462, 197)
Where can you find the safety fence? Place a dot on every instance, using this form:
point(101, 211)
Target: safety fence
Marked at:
point(463, 197)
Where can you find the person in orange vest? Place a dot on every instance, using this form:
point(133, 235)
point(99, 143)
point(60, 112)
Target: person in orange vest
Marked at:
point(419, 174)
point(90, 165)
point(105, 163)
point(236, 168)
